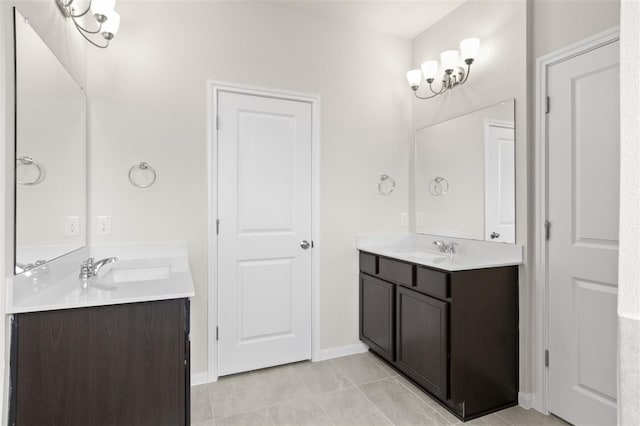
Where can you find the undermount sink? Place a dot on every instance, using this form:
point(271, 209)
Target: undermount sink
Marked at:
point(143, 273)
point(419, 254)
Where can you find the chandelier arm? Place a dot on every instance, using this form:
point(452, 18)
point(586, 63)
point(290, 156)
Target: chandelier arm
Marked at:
point(80, 15)
point(89, 40)
point(434, 92)
point(83, 30)
point(426, 97)
point(466, 75)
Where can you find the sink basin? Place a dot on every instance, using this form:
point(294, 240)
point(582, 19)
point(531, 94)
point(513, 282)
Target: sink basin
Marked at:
point(143, 273)
point(424, 255)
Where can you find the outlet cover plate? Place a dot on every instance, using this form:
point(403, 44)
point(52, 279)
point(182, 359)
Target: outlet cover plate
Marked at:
point(103, 225)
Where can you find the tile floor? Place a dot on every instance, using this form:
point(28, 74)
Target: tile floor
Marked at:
point(356, 390)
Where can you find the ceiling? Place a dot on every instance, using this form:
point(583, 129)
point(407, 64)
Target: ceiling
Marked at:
point(404, 19)
point(400, 18)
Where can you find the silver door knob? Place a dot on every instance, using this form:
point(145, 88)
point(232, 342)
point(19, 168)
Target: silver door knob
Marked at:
point(495, 235)
point(305, 244)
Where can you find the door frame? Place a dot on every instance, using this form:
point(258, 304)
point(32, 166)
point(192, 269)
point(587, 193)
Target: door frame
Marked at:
point(540, 302)
point(213, 89)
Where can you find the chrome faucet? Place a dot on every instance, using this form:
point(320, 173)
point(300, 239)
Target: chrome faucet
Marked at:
point(89, 268)
point(446, 248)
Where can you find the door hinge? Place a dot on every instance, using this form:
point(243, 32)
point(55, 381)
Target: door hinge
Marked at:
point(217, 122)
point(217, 226)
point(217, 335)
point(547, 106)
point(547, 230)
point(546, 358)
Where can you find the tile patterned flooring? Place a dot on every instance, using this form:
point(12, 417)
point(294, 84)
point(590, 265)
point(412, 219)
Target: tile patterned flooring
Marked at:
point(356, 390)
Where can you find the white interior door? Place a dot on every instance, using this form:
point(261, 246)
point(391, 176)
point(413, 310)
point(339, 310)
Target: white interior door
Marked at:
point(583, 190)
point(499, 183)
point(264, 209)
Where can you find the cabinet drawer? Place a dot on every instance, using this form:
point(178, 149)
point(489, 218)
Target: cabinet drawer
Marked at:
point(396, 271)
point(433, 282)
point(369, 263)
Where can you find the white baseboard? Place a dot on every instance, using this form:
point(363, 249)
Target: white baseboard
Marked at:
point(330, 353)
point(525, 400)
point(199, 378)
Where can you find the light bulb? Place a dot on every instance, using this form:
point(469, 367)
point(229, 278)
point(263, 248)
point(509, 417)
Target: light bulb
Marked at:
point(111, 25)
point(102, 8)
point(430, 70)
point(469, 49)
point(414, 77)
point(449, 59)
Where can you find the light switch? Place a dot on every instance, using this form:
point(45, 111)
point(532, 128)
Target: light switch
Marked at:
point(404, 220)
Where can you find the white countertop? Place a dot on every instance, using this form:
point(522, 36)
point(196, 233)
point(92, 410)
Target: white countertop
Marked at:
point(156, 274)
point(419, 249)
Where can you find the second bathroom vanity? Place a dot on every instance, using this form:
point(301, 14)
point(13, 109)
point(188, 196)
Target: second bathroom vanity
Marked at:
point(447, 322)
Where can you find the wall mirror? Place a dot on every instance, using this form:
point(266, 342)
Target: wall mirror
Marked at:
point(465, 176)
point(50, 163)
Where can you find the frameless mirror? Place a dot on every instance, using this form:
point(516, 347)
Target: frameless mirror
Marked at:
point(50, 165)
point(465, 176)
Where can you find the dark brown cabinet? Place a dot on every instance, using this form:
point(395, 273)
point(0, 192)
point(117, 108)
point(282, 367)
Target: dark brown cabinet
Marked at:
point(107, 365)
point(455, 334)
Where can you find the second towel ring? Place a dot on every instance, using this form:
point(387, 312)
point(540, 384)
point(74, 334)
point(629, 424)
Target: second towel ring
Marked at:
point(386, 185)
point(143, 165)
point(438, 186)
point(28, 161)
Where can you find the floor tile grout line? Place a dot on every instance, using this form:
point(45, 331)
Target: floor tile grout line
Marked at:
point(375, 405)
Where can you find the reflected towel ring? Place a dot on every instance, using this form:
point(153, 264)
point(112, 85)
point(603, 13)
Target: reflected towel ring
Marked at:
point(438, 186)
point(28, 161)
point(386, 185)
point(145, 167)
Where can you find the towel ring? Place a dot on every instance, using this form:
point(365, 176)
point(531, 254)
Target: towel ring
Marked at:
point(28, 161)
point(438, 186)
point(386, 185)
point(142, 166)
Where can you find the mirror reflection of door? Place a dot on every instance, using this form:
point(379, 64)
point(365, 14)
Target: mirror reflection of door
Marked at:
point(50, 154)
point(464, 186)
point(499, 182)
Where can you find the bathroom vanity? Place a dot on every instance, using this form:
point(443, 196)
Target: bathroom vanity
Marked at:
point(451, 330)
point(114, 351)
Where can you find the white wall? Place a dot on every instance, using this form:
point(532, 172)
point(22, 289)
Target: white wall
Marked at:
point(500, 73)
point(629, 268)
point(148, 102)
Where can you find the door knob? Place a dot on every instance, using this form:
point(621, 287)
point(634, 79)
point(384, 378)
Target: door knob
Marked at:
point(495, 235)
point(305, 244)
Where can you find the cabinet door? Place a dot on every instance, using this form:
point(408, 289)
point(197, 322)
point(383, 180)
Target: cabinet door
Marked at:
point(376, 315)
point(105, 365)
point(422, 339)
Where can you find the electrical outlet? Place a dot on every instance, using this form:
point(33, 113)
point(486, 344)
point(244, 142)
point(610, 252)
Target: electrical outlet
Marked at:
point(104, 225)
point(419, 219)
point(71, 226)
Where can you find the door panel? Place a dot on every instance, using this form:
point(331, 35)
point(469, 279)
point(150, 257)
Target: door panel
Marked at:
point(264, 208)
point(500, 215)
point(376, 315)
point(422, 343)
point(583, 188)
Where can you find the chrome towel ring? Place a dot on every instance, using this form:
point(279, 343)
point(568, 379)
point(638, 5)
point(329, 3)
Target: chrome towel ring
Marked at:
point(438, 186)
point(144, 166)
point(28, 161)
point(386, 185)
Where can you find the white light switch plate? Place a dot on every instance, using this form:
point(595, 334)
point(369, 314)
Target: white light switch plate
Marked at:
point(104, 225)
point(404, 220)
point(71, 226)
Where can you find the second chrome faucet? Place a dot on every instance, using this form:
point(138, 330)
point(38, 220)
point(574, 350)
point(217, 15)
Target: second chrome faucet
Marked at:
point(89, 268)
point(444, 247)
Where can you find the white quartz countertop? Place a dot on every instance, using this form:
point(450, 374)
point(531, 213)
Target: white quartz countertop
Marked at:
point(159, 275)
point(419, 249)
